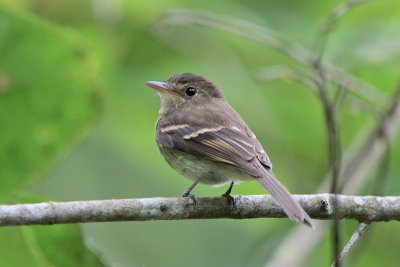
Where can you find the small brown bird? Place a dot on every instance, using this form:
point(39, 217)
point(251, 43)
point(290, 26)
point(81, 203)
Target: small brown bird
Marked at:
point(203, 138)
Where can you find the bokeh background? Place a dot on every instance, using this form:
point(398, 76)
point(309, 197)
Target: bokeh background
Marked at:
point(77, 123)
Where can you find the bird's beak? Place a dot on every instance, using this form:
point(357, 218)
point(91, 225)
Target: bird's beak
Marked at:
point(161, 87)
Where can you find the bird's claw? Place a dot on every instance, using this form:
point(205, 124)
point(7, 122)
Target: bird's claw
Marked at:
point(229, 198)
point(192, 197)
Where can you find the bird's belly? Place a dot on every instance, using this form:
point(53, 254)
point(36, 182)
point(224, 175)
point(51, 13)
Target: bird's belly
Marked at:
point(204, 170)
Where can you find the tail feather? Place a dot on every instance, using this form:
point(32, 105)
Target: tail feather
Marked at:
point(291, 207)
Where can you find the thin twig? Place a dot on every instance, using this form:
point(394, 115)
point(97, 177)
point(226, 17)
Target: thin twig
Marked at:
point(334, 150)
point(331, 21)
point(339, 97)
point(273, 40)
point(387, 128)
point(359, 161)
point(362, 208)
point(286, 72)
point(383, 170)
point(334, 157)
point(378, 189)
point(353, 240)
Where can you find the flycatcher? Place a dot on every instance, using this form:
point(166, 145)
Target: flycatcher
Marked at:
point(203, 138)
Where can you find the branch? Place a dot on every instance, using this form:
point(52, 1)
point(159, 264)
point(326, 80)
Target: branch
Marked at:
point(272, 39)
point(367, 208)
point(287, 72)
point(360, 159)
point(332, 20)
point(353, 240)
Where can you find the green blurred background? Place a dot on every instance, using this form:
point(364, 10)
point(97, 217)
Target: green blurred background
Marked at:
point(77, 123)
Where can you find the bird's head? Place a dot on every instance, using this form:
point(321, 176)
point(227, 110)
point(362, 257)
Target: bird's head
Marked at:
point(183, 90)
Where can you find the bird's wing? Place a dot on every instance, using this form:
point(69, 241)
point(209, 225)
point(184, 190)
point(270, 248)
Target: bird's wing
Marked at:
point(219, 143)
point(231, 146)
point(258, 149)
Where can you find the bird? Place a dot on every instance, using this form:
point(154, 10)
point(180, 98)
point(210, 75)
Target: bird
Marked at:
point(205, 140)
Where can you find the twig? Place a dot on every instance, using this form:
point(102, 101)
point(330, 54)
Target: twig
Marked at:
point(366, 208)
point(383, 169)
point(271, 39)
point(359, 161)
point(354, 238)
point(334, 155)
point(334, 148)
point(287, 72)
point(384, 132)
point(331, 21)
point(378, 189)
point(339, 97)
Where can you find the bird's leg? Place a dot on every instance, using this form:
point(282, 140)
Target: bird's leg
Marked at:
point(228, 194)
point(187, 192)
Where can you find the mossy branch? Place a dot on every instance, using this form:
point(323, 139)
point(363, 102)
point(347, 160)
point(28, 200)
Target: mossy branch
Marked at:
point(366, 209)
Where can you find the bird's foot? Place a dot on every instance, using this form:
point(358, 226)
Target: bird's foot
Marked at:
point(229, 198)
point(192, 197)
point(187, 192)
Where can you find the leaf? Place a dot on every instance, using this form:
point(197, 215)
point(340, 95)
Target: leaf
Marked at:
point(57, 245)
point(47, 101)
point(54, 245)
point(60, 245)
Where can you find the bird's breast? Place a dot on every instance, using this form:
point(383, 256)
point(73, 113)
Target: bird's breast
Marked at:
point(199, 168)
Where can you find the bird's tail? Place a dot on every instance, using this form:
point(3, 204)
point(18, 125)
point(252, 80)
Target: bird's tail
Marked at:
point(291, 207)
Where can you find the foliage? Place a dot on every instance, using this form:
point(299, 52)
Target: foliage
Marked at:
point(54, 55)
point(47, 105)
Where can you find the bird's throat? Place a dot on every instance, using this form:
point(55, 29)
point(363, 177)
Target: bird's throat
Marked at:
point(169, 103)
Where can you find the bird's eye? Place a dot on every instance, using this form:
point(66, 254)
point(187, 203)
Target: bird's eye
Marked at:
point(190, 91)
